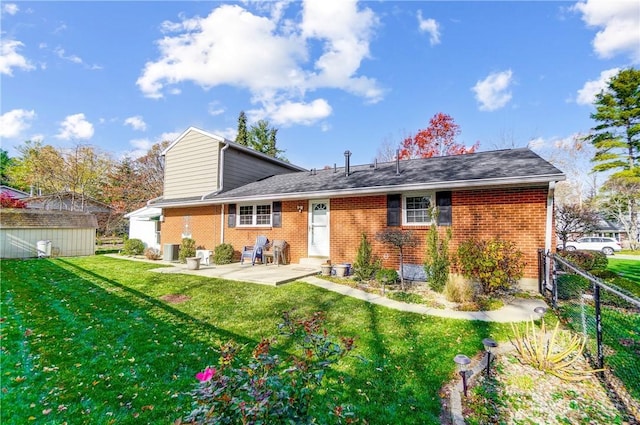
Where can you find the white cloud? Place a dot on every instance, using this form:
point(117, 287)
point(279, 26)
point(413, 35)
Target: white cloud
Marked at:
point(170, 136)
point(618, 21)
point(140, 148)
point(430, 26)
point(493, 92)
point(10, 8)
point(587, 94)
point(10, 58)
point(136, 122)
point(214, 109)
point(75, 127)
point(537, 143)
point(14, 122)
point(61, 53)
point(271, 56)
point(287, 113)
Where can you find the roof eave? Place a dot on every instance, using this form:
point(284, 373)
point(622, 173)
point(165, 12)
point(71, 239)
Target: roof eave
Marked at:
point(460, 184)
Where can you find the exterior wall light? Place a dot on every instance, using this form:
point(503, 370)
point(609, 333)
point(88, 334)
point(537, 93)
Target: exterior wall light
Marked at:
point(300, 208)
point(462, 362)
point(489, 346)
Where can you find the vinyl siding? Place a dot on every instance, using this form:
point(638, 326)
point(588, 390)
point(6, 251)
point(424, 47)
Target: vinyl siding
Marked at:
point(191, 167)
point(241, 168)
point(22, 242)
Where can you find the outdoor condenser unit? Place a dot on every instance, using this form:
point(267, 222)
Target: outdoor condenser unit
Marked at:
point(170, 252)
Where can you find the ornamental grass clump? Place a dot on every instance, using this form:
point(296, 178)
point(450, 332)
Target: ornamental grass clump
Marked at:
point(546, 352)
point(268, 389)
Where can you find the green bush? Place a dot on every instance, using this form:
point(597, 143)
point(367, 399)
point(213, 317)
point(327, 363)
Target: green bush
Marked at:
point(571, 286)
point(436, 265)
point(406, 297)
point(223, 254)
point(496, 264)
point(187, 249)
point(133, 247)
point(366, 265)
point(586, 260)
point(387, 276)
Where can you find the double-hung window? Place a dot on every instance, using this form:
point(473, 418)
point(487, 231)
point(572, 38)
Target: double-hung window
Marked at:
point(417, 209)
point(254, 215)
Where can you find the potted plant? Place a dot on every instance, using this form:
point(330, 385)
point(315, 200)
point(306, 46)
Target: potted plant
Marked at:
point(341, 270)
point(326, 268)
point(193, 263)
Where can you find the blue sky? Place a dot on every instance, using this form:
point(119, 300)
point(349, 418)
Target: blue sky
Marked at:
point(330, 75)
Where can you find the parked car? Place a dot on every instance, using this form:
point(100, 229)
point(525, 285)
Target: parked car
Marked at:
point(607, 245)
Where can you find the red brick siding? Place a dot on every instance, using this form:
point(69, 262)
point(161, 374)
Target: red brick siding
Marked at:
point(293, 230)
point(518, 215)
point(204, 223)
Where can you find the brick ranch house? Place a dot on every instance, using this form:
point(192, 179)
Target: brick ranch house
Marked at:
point(217, 191)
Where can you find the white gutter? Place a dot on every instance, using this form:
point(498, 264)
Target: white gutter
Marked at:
point(442, 185)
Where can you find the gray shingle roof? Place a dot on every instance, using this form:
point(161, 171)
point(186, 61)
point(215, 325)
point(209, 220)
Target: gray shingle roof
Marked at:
point(503, 167)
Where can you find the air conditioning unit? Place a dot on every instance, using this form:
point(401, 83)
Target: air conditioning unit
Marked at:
point(170, 252)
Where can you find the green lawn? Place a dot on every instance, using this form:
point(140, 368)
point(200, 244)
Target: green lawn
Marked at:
point(88, 341)
point(629, 269)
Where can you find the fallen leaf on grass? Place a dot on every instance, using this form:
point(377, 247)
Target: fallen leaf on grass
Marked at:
point(46, 411)
point(148, 407)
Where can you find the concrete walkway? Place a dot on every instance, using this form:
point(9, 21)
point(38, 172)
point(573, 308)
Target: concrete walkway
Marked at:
point(518, 310)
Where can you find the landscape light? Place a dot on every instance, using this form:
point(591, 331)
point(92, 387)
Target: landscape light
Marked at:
point(489, 346)
point(462, 362)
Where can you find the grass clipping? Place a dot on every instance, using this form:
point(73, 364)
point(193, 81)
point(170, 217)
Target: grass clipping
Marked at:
point(546, 352)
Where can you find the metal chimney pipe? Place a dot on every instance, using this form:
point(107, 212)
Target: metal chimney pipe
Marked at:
point(347, 168)
point(398, 162)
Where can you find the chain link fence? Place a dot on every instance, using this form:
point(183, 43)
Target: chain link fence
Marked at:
point(606, 315)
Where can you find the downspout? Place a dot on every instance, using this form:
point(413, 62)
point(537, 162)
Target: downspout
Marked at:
point(549, 225)
point(222, 223)
point(549, 230)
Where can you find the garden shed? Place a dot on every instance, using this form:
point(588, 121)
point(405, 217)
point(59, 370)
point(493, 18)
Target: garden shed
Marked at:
point(28, 233)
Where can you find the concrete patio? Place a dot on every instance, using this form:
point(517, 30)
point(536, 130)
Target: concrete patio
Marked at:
point(263, 274)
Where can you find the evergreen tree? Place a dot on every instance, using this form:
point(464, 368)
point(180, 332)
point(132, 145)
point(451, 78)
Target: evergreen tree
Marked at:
point(262, 138)
point(616, 138)
point(242, 137)
point(5, 163)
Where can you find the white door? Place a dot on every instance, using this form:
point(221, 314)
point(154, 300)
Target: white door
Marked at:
point(319, 228)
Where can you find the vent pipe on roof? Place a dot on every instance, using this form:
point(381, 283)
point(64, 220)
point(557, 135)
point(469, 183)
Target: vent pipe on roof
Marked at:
point(375, 164)
point(398, 162)
point(335, 168)
point(347, 169)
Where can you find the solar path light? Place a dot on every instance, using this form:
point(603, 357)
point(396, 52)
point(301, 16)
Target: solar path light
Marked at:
point(489, 346)
point(462, 362)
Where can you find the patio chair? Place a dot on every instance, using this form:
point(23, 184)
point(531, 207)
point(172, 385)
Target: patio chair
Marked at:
point(254, 252)
point(276, 252)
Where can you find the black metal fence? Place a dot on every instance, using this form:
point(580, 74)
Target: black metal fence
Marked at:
point(607, 316)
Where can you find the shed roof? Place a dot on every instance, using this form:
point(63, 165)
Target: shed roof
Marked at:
point(30, 218)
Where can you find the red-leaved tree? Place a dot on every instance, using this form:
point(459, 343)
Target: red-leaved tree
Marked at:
point(439, 139)
point(8, 201)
